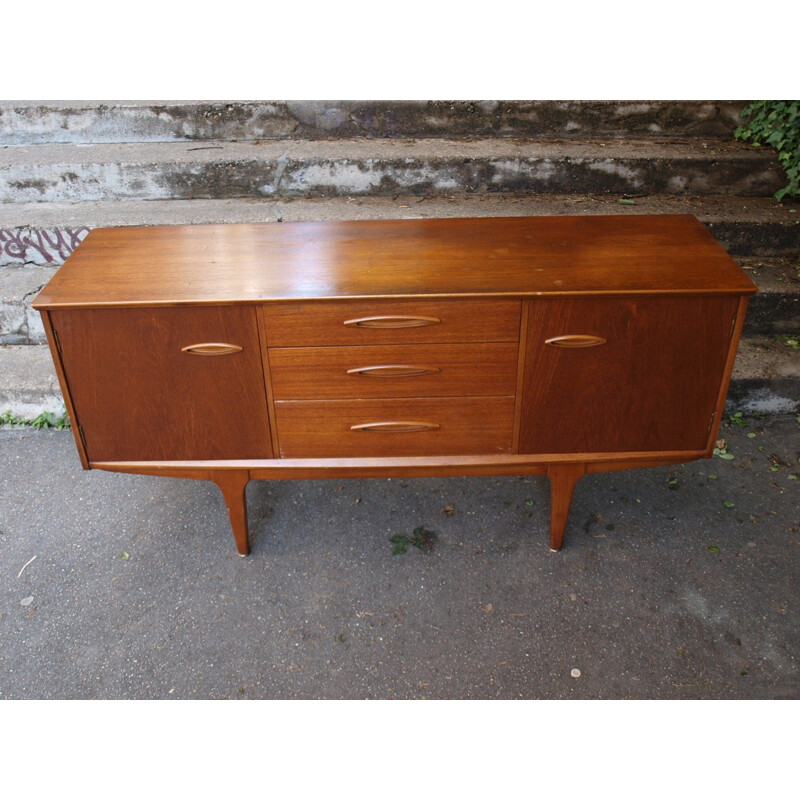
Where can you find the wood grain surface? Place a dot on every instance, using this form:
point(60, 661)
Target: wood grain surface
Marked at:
point(329, 373)
point(320, 429)
point(447, 320)
point(138, 397)
point(511, 256)
point(652, 386)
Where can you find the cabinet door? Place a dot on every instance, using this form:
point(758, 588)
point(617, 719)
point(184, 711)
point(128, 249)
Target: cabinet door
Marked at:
point(647, 381)
point(139, 395)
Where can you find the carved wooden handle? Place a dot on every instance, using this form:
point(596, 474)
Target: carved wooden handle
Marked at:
point(576, 340)
point(392, 322)
point(395, 427)
point(393, 371)
point(211, 349)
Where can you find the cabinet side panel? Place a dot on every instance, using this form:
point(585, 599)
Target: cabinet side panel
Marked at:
point(725, 382)
point(139, 396)
point(648, 381)
point(65, 391)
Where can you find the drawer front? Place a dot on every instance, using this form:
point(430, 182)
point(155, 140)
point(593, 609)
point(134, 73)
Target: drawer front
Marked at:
point(371, 322)
point(322, 373)
point(376, 428)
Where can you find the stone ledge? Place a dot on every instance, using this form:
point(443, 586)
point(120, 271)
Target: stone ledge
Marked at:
point(381, 167)
point(36, 122)
point(19, 323)
point(28, 382)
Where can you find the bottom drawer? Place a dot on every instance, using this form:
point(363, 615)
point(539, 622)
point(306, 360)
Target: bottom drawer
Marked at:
point(375, 428)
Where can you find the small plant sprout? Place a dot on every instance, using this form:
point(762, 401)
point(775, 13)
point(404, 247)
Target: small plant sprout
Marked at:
point(422, 539)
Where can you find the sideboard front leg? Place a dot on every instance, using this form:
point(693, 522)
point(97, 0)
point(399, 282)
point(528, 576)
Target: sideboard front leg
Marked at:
point(563, 478)
point(232, 484)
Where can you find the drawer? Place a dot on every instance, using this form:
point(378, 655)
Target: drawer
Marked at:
point(420, 370)
point(370, 322)
point(376, 428)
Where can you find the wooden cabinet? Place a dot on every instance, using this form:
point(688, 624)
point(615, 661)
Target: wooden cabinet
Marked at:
point(522, 345)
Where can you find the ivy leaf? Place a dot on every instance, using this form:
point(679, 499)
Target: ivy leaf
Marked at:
point(774, 123)
point(424, 539)
point(400, 542)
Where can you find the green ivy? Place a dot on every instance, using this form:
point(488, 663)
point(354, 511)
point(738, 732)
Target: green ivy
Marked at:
point(776, 123)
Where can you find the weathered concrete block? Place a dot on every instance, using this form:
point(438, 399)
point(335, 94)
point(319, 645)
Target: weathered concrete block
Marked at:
point(766, 238)
point(63, 173)
point(19, 323)
point(776, 396)
point(48, 123)
point(28, 382)
point(766, 377)
point(24, 123)
point(775, 309)
point(13, 325)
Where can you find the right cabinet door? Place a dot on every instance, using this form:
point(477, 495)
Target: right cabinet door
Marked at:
point(623, 374)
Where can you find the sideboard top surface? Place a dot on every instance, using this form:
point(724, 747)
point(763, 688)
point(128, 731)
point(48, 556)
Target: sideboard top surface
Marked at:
point(493, 256)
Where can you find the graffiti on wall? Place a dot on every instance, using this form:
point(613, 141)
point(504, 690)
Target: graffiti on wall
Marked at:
point(41, 246)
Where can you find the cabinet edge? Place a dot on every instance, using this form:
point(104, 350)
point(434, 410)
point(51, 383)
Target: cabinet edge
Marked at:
point(521, 352)
point(55, 353)
point(733, 348)
point(400, 466)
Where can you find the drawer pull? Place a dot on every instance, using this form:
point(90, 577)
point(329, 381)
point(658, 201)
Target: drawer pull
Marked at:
point(393, 371)
point(395, 427)
point(577, 340)
point(211, 349)
point(391, 322)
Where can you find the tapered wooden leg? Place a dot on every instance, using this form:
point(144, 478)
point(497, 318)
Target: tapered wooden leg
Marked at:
point(563, 478)
point(232, 484)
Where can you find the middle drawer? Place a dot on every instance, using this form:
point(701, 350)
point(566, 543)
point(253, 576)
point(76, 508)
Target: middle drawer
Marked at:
point(452, 370)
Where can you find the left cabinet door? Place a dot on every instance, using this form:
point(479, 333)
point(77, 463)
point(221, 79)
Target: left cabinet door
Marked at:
point(140, 395)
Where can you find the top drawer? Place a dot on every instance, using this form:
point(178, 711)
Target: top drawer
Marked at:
point(359, 322)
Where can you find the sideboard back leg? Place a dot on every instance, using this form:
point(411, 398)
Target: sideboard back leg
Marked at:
point(563, 478)
point(232, 484)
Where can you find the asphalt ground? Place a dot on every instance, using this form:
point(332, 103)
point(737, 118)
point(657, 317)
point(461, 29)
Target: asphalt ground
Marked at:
point(674, 582)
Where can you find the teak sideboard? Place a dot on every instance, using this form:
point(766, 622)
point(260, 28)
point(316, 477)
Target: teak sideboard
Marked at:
point(513, 345)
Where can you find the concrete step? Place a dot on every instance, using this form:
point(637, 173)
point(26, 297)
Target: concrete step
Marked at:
point(382, 167)
point(766, 379)
point(28, 382)
point(24, 123)
point(44, 234)
point(775, 310)
point(19, 323)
